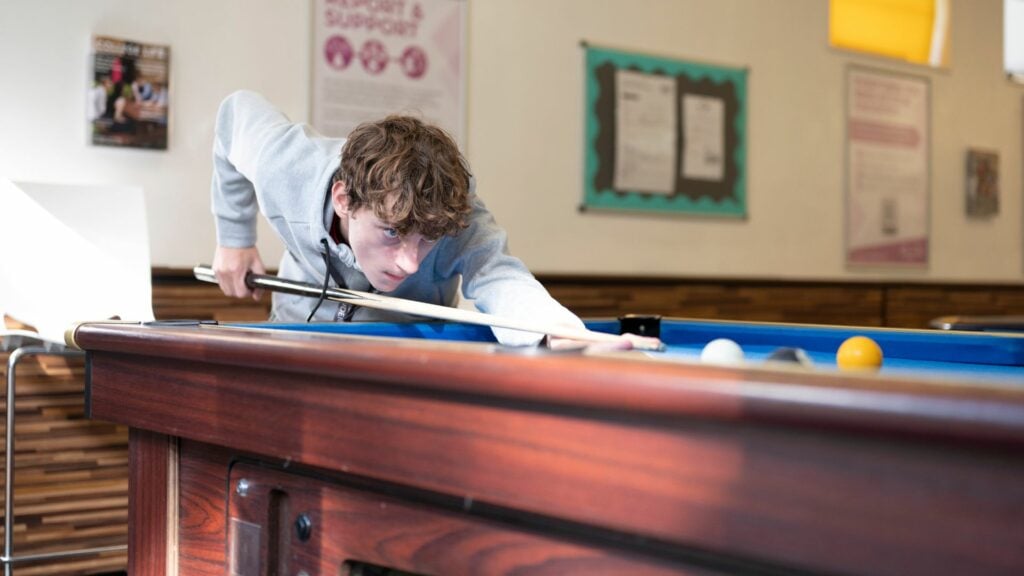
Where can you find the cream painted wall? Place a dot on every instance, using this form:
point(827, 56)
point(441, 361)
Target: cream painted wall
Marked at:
point(525, 125)
point(216, 47)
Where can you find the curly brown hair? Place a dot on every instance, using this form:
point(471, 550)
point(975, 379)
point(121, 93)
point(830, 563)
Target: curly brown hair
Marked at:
point(416, 163)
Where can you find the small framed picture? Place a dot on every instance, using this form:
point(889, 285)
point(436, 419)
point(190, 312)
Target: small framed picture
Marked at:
point(982, 183)
point(127, 101)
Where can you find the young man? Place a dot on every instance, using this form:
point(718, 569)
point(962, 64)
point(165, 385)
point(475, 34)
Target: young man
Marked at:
point(390, 209)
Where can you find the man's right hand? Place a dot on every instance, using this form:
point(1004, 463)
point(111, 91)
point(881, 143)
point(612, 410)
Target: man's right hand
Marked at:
point(232, 264)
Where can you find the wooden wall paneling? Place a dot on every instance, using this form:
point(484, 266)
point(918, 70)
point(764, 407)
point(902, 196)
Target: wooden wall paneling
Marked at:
point(894, 304)
point(198, 301)
point(763, 301)
point(915, 306)
point(70, 473)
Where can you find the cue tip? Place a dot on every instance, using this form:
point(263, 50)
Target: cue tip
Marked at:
point(659, 347)
point(648, 346)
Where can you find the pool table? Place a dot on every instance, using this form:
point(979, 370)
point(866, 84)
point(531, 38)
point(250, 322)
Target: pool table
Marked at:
point(427, 448)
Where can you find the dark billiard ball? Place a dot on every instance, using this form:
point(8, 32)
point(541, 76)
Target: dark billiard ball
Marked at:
point(790, 355)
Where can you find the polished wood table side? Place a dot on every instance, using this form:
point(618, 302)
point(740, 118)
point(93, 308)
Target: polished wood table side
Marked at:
point(261, 452)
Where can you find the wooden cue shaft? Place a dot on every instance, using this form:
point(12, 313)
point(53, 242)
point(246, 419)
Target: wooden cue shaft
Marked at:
point(381, 302)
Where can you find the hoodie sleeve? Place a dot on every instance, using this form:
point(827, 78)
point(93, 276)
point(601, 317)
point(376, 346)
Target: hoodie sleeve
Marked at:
point(246, 126)
point(498, 282)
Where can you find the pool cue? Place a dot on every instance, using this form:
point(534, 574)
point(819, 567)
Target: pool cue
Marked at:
point(381, 302)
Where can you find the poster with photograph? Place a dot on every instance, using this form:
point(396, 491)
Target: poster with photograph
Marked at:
point(982, 183)
point(371, 59)
point(887, 168)
point(127, 102)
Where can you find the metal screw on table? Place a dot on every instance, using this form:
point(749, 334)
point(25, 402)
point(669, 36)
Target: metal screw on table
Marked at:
point(303, 527)
point(243, 488)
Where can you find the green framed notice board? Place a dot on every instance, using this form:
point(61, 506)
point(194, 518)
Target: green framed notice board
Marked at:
point(664, 135)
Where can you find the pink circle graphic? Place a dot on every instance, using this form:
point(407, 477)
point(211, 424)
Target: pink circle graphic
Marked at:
point(374, 56)
point(338, 52)
point(414, 62)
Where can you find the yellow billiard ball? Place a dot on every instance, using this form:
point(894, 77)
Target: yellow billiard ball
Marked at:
point(859, 353)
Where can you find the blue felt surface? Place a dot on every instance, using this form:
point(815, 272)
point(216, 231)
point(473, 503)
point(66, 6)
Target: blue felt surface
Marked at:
point(938, 354)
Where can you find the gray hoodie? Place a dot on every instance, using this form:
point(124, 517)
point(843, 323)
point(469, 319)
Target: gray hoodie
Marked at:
point(262, 162)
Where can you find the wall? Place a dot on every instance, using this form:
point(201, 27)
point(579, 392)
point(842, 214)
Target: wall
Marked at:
point(216, 47)
point(525, 124)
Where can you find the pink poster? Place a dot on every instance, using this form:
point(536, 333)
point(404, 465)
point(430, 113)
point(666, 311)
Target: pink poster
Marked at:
point(372, 58)
point(887, 169)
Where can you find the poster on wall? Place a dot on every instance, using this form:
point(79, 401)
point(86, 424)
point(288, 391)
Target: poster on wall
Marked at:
point(127, 102)
point(982, 183)
point(887, 167)
point(663, 135)
point(371, 59)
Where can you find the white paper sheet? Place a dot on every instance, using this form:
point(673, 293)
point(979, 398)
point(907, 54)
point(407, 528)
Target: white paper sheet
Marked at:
point(73, 253)
point(645, 124)
point(704, 138)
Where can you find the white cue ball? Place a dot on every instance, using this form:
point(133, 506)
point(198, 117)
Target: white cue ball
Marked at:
point(722, 351)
